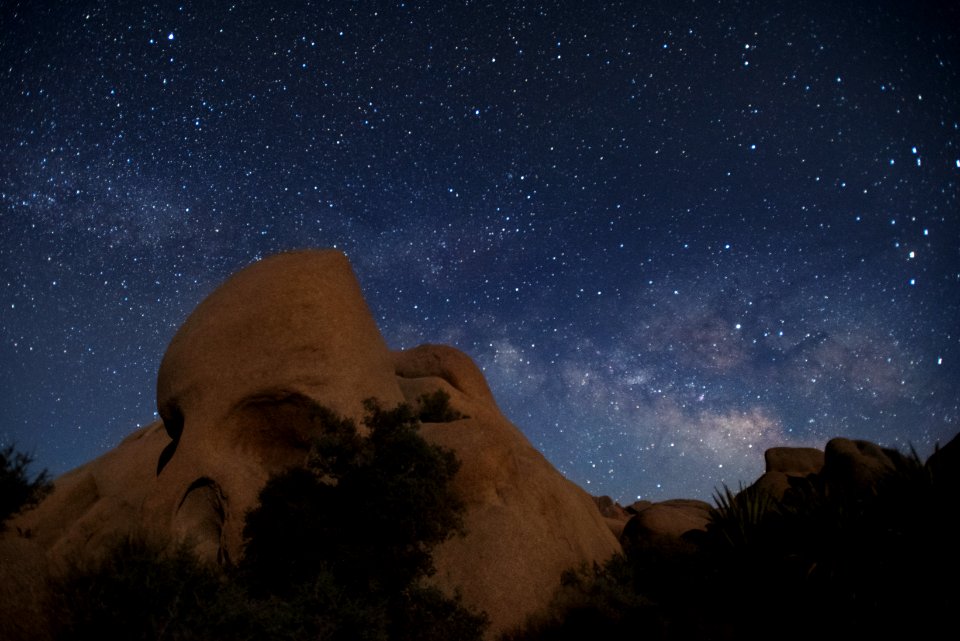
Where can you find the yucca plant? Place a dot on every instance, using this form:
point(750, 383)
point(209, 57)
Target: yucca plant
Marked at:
point(739, 519)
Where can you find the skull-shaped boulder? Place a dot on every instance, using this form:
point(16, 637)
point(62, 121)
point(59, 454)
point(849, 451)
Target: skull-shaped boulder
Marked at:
point(237, 380)
point(234, 391)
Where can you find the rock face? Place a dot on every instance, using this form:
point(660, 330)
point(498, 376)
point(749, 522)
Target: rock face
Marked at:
point(855, 467)
point(844, 466)
point(784, 462)
point(662, 526)
point(231, 386)
point(614, 514)
point(231, 391)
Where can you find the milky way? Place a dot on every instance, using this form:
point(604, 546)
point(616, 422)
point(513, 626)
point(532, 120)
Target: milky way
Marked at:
point(673, 234)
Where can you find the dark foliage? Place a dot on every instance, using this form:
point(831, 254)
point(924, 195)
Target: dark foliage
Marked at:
point(349, 536)
point(435, 408)
point(881, 563)
point(336, 550)
point(366, 510)
point(139, 591)
point(426, 614)
point(847, 559)
point(17, 491)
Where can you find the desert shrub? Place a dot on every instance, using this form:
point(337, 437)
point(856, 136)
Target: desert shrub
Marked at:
point(877, 563)
point(436, 408)
point(603, 601)
point(18, 492)
point(335, 550)
point(427, 614)
point(141, 590)
point(349, 536)
point(367, 510)
point(738, 520)
point(845, 559)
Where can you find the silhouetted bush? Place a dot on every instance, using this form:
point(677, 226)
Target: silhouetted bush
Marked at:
point(138, 590)
point(337, 549)
point(355, 528)
point(367, 510)
point(435, 408)
point(823, 559)
point(848, 559)
point(17, 491)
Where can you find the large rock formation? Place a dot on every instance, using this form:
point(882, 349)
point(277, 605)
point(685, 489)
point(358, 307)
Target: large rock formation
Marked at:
point(231, 391)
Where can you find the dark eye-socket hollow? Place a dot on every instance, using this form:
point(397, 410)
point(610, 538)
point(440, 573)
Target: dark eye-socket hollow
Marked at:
point(276, 427)
point(173, 421)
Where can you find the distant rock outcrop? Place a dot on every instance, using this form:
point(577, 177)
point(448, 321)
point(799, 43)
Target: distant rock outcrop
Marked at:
point(785, 462)
point(855, 467)
point(233, 391)
point(615, 515)
point(663, 525)
point(843, 467)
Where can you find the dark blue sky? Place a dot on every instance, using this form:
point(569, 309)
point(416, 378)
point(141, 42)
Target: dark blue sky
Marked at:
point(673, 234)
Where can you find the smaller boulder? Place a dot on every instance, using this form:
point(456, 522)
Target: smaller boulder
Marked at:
point(855, 466)
point(638, 506)
point(614, 515)
point(662, 526)
point(783, 463)
point(794, 461)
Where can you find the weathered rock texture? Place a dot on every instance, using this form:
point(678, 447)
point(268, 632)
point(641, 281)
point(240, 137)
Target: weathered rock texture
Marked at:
point(662, 525)
point(231, 392)
point(855, 467)
point(785, 462)
point(614, 514)
point(844, 466)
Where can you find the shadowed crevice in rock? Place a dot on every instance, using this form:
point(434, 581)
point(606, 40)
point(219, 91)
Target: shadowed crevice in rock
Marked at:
point(173, 420)
point(166, 455)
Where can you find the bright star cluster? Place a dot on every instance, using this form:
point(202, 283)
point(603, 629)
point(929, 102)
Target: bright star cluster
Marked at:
point(672, 234)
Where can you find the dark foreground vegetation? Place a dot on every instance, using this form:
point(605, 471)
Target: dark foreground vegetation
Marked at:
point(336, 550)
point(339, 547)
point(19, 490)
point(820, 561)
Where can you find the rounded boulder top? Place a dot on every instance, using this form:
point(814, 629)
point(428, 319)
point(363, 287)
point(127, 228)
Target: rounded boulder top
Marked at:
point(295, 322)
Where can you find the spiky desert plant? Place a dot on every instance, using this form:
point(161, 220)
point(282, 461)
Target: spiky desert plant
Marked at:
point(738, 519)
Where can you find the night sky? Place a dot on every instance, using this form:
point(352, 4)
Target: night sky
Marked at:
point(673, 234)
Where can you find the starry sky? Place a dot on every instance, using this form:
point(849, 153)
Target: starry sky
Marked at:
point(672, 234)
